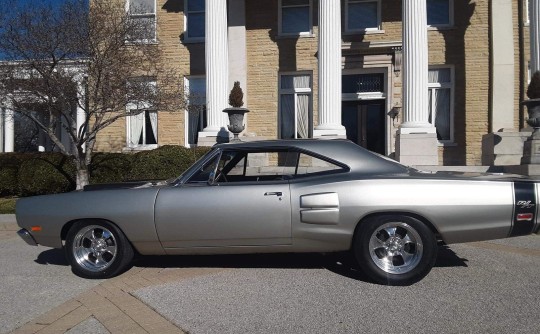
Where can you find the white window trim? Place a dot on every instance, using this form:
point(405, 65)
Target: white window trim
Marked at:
point(187, 38)
point(295, 92)
point(450, 86)
point(146, 15)
point(450, 23)
point(301, 34)
point(186, 112)
point(377, 29)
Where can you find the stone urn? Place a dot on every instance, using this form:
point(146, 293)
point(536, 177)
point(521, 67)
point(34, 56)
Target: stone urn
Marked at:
point(533, 110)
point(236, 121)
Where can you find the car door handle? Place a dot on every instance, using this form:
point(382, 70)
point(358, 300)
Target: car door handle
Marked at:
point(273, 193)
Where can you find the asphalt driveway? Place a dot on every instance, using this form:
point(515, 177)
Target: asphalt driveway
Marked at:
point(479, 287)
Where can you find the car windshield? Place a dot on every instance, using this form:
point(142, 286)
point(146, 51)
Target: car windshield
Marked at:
point(191, 169)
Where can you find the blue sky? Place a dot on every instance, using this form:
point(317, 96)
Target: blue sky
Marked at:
point(22, 4)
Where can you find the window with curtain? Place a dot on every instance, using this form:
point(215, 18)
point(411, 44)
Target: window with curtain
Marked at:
point(141, 125)
point(194, 16)
point(196, 113)
point(143, 14)
point(143, 128)
point(440, 12)
point(362, 15)
point(295, 108)
point(440, 93)
point(295, 17)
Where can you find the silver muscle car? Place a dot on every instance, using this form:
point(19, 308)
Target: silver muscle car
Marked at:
point(284, 196)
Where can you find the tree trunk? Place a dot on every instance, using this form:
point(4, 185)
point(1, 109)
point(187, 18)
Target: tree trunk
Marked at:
point(82, 176)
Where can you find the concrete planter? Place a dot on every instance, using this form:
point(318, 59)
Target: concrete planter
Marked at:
point(533, 109)
point(236, 121)
point(531, 148)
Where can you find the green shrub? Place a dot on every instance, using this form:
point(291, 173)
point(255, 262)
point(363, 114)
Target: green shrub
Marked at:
point(27, 174)
point(46, 173)
point(9, 168)
point(110, 167)
point(164, 163)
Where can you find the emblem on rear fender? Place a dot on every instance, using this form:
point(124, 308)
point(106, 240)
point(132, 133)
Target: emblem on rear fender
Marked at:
point(525, 204)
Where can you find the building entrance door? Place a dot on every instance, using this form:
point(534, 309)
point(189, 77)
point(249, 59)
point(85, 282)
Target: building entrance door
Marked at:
point(365, 123)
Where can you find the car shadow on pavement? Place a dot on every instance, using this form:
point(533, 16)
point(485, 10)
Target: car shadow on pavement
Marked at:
point(52, 256)
point(342, 263)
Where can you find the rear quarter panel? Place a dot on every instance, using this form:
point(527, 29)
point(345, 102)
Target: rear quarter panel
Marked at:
point(460, 210)
point(132, 210)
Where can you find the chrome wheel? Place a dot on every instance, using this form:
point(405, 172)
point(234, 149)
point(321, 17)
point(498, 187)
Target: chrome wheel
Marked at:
point(94, 248)
point(395, 247)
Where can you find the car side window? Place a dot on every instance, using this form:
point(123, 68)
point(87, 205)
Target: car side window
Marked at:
point(260, 166)
point(309, 165)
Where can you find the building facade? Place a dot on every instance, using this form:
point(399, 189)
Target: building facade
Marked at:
point(418, 80)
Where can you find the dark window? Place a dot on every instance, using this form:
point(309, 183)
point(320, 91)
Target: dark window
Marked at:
point(194, 14)
point(438, 12)
point(295, 16)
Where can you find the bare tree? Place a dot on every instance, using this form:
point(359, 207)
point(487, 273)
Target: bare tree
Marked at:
point(86, 66)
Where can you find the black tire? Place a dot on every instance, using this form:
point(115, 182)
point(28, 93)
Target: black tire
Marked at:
point(97, 249)
point(395, 249)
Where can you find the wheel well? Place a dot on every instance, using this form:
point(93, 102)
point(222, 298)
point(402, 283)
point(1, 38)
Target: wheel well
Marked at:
point(67, 226)
point(424, 220)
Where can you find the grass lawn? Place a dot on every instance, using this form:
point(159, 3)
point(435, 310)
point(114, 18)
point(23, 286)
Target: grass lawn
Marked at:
point(7, 205)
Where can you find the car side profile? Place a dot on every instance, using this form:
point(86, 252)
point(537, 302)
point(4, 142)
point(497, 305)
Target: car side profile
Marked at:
point(284, 196)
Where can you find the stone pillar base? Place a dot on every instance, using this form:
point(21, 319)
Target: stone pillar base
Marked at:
point(527, 170)
point(531, 150)
point(417, 149)
point(330, 134)
point(503, 148)
point(210, 138)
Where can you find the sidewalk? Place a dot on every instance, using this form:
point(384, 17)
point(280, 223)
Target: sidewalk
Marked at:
point(8, 223)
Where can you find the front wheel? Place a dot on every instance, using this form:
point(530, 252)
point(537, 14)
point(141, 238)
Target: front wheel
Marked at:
point(394, 249)
point(97, 249)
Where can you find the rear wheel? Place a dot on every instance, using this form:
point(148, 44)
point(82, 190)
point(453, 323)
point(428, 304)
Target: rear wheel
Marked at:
point(97, 249)
point(395, 249)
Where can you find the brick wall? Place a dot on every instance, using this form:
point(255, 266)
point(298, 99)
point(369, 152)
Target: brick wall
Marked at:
point(464, 46)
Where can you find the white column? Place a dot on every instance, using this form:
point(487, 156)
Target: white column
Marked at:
point(329, 70)
point(534, 15)
point(9, 130)
point(416, 141)
point(81, 114)
point(502, 65)
point(1, 129)
point(415, 66)
point(217, 67)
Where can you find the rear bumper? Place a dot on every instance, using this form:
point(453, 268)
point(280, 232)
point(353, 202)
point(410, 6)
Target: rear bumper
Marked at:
point(27, 237)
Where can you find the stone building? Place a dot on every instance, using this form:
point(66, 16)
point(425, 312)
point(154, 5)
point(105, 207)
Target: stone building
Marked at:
point(422, 81)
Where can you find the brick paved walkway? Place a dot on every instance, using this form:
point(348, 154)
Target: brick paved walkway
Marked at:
point(112, 304)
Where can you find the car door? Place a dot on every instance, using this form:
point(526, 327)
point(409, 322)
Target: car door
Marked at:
point(254, 211)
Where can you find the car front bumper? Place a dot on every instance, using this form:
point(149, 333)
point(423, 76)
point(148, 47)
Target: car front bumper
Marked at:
point(27, 237)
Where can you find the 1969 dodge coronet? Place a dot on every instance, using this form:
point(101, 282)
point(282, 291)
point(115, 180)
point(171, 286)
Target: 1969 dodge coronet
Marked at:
point(284, 196)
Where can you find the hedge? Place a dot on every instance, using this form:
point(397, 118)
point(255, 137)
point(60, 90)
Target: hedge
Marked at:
point(27, 174)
